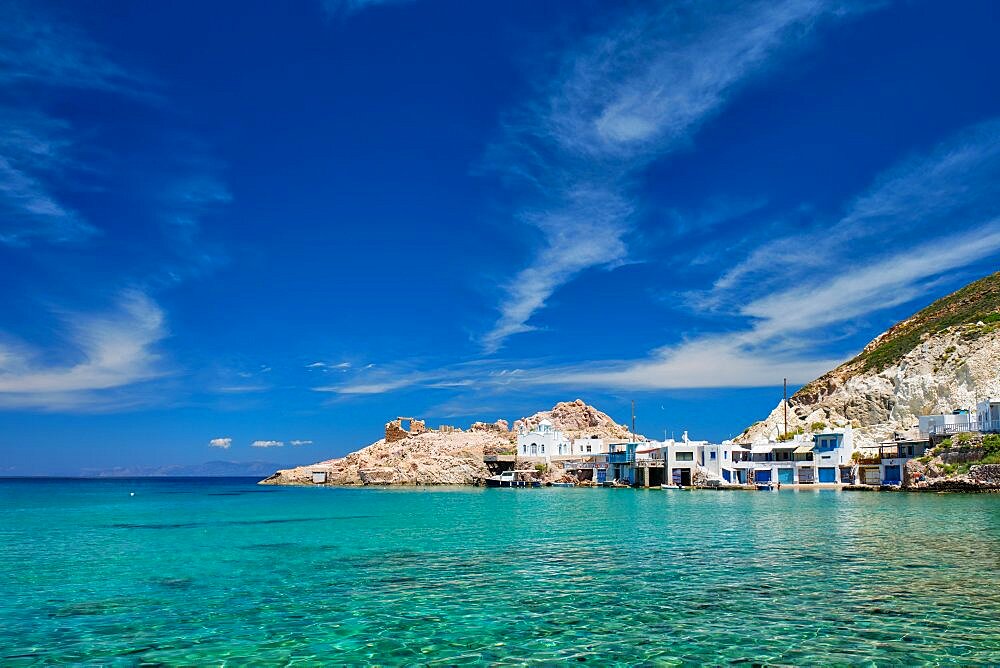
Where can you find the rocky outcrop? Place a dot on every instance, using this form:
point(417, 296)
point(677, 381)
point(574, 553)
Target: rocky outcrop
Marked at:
point(430, 458)
point(956, 465)
point(498, 427)
point(445, 456)
point(944, 357)
point(577, 419)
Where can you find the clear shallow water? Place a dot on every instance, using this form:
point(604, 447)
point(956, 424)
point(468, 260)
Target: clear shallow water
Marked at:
point(223, 571)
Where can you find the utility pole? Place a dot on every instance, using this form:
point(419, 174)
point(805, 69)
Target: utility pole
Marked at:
point(784, 403)
point(633, 421)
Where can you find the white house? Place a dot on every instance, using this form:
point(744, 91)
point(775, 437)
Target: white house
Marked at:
point(823, 458)
point(586, 447)
point(948, 423)
point(682, 459)
point(544, 441)
point(988, 415)
point(719, 460)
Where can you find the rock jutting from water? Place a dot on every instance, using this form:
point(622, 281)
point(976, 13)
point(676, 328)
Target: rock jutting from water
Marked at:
point(410, 453)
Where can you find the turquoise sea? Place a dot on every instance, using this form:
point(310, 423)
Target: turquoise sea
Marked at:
point(217, 571)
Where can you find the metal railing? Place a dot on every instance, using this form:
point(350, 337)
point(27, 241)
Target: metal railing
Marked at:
point(981, 426)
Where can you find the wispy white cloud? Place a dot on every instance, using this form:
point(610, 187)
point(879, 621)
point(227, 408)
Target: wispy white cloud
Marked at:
point(931, 215)
point(267, 444)
point(298, 442)
point(925, 219)
point(222, 443)
point(327, 366)
point(115, 349)
point(39, 55)
point(344, 8)
point(38, 49)
point(33, 152)
point(372, 387)
point(242, 389)
point(625, 98)
point(191, 197)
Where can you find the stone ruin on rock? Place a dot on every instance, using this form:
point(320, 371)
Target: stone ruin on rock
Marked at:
point(394, 430)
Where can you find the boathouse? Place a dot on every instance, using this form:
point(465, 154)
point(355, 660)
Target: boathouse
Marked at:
point(821, 458)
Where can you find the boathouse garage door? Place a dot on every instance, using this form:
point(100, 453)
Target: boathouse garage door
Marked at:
point(786, 476)
point(762, 476)
point(892, 475)
point(827, 474)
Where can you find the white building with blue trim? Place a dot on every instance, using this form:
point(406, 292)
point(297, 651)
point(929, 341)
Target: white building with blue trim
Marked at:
point(543, 442)
point(824, 458)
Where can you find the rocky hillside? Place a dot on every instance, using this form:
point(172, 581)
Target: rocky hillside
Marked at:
point(577, 420)
point(448, 455)
point(944, 357)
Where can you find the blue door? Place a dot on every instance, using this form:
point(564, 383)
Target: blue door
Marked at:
point(762, 476)
point(827, 474)
point(891, 475)
point(602, 475)
point(786, 476)
point(726, 476)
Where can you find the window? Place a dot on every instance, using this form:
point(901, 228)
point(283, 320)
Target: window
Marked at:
point(685, 457)
point(588, 448)
point(713, 454)
point(525, 446)
point(543, 448)
point(534, 448)
point(725, 454)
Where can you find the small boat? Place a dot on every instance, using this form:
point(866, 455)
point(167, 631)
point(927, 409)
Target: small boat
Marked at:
point(512, 479)
point(676, 488)
point(765, 486)
point(564, 484)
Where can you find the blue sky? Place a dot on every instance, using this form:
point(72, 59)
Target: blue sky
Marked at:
point(228, 227)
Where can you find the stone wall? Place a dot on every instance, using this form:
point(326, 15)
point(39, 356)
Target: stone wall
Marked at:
point(394, 431)
point(987, 473)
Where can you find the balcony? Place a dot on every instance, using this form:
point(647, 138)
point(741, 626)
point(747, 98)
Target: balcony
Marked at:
point(985, 427)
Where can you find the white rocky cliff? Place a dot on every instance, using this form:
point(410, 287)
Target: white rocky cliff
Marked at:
point(945, 357)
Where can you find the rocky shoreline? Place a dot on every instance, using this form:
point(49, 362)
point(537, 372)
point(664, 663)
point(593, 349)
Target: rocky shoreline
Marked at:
point(411, 453)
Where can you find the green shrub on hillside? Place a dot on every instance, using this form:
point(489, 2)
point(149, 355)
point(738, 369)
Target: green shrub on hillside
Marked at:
point(976, 302)
point(817, 426)
point(789, 435)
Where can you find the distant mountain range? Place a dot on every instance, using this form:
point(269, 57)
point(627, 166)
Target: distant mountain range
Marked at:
point(208, 469)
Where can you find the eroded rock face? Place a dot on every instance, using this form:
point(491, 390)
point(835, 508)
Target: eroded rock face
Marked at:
point(577, 419)
point(430, 458)
point(944, 372)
